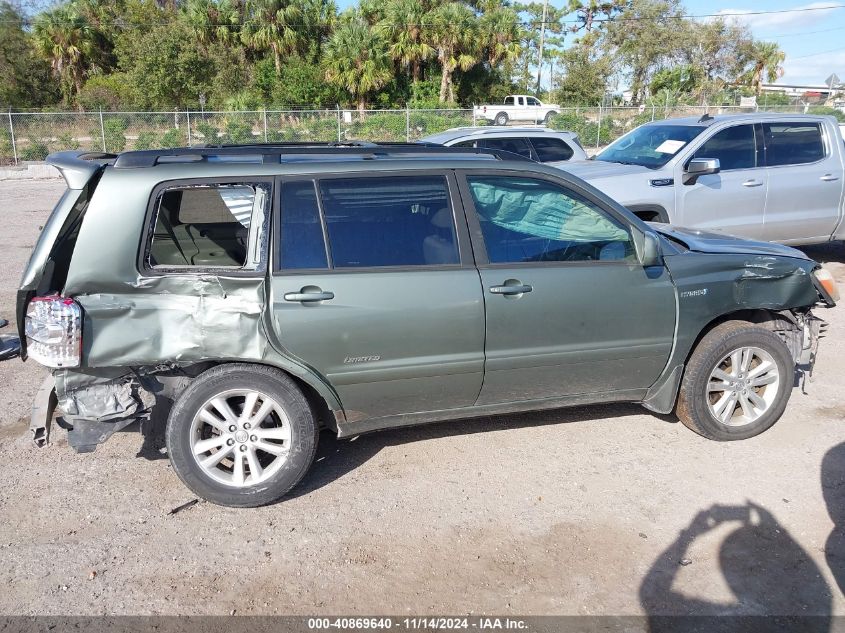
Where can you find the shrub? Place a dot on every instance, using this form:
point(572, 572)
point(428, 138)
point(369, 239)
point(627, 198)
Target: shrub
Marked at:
point(36, 149)
point(208, 132)
point(115, 129)
point(379, 127)
point(146, 140)
point(238, 132)
point(587, 130)
point(65, 141)
point(172, 138)
point(826, 111)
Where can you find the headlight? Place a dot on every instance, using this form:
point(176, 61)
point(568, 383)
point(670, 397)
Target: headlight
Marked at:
point(827, 282)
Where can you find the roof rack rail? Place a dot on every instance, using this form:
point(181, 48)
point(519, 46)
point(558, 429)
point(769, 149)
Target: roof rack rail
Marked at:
point(272, 153)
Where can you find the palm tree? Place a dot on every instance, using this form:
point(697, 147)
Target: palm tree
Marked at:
point(64, 38)
point(454, 36)
point(273, 25)
point(767, 58)
point(404, 25)
point(356, 59)
point(501, 31)
point(214, 21)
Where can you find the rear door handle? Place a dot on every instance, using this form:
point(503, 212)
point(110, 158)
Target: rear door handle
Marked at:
point(752, 183)
point(510, 290)
point(306, 297)
point(829, 178)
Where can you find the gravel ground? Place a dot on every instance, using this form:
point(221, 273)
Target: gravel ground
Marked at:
point(591, 510)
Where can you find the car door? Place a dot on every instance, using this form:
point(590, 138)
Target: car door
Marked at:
point(374, 287)
point(533, 109)
point(569, 308)
point(805, 182)
point(732, 201)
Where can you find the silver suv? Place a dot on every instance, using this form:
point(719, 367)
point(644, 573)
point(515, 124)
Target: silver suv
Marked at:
point(537, 143)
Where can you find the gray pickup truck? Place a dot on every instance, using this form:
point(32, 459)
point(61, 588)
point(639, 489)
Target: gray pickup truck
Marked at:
point(770, 177)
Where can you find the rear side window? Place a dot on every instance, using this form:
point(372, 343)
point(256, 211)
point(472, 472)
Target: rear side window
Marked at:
point(551, 149)
point(302, 244)
point(210, 226)
point(793, 143)
point(389, 221)
point(513, 145)
point(529, 220)
point(735, 147)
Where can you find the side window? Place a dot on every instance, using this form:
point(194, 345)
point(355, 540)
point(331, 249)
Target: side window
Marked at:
point(302, 244)
point(389, 221)
point(793, 143)
point(551, 149)
point(532, 101)
point(527, 220)
point(514, 145)
point(465, 144)
point(210, 226)
point(735, 147)
point(508, 100)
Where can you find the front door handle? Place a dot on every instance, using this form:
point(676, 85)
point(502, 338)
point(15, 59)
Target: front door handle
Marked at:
point(511, 290)
point(829, 178)
point(306, 297)
point(752, 183)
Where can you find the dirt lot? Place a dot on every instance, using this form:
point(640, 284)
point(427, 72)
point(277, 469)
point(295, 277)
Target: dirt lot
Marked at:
point(582, 511)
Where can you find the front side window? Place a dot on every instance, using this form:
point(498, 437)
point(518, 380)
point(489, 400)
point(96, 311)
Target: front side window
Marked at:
point(508, 100)
point(533, 102)
point(551, 149)
point(528, 220)
point(794, 143)
point(735, 147)
point(513, 145)
point(210, 226)
point(389, 221)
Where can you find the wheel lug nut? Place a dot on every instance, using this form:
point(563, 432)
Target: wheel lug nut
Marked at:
point(243, 448)
point(233, 428)
point(253, 438)
point(230, 442)
point(246, 425)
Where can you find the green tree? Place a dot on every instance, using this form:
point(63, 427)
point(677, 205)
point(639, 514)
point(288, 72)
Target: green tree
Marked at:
point(356, 59)
point(214, 21)
point(766, 59)
point(65, 39)
point(167, 65)
point(585, 79)
point(274, 25)
point(405, 24)
point(454, 34)
point(24, 77)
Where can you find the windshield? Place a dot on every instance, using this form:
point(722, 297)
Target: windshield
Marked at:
point(651, 146)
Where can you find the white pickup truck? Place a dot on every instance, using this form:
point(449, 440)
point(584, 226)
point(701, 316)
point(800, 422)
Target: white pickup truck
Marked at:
point(772, 177)
point(517, 108)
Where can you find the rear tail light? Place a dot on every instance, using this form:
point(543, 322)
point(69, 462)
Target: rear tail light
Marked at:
point(53, 330)
point(825, 278)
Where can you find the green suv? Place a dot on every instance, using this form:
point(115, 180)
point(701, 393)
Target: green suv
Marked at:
point(255, 295)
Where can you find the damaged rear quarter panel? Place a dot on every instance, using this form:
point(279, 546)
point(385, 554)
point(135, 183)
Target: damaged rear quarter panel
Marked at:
point(136, 320)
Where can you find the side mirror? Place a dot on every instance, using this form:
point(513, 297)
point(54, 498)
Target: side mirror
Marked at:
point(700, 167)
point(648, 248)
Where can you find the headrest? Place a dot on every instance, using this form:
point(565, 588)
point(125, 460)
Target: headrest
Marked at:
point(442, 219)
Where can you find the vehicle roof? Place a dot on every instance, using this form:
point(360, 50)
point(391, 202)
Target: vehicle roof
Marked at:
point(271, 160)
point(744, 116)
point(484, 130)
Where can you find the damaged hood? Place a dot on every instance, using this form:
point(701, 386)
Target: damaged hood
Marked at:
point(709, 242)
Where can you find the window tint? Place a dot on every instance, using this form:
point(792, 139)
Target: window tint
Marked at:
point(390, 221)
point(514, 145)
point(551, 149)
point(508, 100)
point(465, 144)
point(208, 226)
point(793, 143)
point(302, 243)
point(735, 147)
point(527, 220)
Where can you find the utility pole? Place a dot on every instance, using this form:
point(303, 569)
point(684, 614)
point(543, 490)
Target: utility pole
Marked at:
point(542, 42)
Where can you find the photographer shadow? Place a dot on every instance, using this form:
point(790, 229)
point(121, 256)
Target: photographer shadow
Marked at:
point(833, 490)
point(775, 584)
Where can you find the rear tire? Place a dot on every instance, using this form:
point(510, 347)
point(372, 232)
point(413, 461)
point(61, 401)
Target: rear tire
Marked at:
point(241, 435)
point(501, 119)
point(737, 382)
point(548, 118)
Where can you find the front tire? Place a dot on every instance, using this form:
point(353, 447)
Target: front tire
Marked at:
point(501, 119)
point(737, 382)
point(241, 435)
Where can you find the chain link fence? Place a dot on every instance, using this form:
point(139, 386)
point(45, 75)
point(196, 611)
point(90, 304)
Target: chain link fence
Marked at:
point(30, 136)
